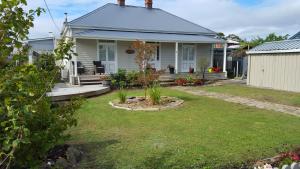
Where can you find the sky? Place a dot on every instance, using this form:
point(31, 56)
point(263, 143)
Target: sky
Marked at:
point(245, 18)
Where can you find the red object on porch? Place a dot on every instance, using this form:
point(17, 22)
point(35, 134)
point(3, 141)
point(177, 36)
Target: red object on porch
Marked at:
point(121, 2)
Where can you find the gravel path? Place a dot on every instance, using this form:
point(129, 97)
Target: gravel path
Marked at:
point(243, 100)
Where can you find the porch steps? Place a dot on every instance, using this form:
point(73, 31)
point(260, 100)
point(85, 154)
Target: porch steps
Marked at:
point(90, 80)
point(167, 80)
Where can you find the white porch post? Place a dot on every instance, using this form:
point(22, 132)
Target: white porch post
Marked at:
point(212, 56)
point(176, 57)
point(225, 59)
point(75, 59)
point(30, 59)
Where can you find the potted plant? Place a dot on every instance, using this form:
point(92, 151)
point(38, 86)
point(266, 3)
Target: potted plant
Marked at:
point(171, 69)
point(106, 80)
point(191, 70)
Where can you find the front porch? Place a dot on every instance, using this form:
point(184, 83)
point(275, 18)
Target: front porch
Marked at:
point(117, 54)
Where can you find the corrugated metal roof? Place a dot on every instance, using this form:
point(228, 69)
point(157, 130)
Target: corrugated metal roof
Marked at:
point(296, 36)
point(41, 44)
point(278, 46)
point(140, 19)
point(156, 37)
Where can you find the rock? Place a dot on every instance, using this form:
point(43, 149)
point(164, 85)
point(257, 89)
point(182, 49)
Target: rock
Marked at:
point(73, 155)
point(286, 167)
point(295, 166)
point(63, 164)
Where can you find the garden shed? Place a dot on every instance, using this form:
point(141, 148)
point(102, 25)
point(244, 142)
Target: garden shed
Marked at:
point(275, 65)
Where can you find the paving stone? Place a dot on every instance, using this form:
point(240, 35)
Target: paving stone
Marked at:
point(242, 100)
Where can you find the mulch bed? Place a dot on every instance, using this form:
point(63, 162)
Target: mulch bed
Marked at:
point(141, 104)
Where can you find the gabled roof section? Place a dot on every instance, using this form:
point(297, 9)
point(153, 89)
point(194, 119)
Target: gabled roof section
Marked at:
point(296, 36)
point(137, 19)
point(286, 46)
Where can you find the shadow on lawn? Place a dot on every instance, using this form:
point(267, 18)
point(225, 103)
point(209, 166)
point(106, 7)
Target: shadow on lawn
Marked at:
point(95, 155)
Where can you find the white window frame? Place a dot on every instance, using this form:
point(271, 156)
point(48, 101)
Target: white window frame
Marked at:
point(114, 43)
point(195, 56)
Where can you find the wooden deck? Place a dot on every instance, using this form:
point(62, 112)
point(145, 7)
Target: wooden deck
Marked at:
point(65, 93)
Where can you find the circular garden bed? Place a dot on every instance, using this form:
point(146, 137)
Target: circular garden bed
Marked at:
point(141, 104)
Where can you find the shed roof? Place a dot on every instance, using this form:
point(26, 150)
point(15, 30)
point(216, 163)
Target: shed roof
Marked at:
point(139, 19)
point(285, 46)
point(157, 37)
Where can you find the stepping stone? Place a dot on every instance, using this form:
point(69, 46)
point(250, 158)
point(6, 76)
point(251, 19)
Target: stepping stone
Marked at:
point(295, 166)
point(286, 167)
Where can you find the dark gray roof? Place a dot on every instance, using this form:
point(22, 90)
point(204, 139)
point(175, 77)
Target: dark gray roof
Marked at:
point(296, 36)
point(157, 37)
point(139, 19)
point(278, 46)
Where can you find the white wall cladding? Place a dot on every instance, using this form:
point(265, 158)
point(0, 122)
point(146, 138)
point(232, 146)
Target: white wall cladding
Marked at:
point(87, 53)
point(167, 55)
point(203, 50)
point(277, 71)
point(126, 61)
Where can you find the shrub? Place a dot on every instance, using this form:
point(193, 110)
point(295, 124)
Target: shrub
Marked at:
point(181, 81)
point(118, 78)
point(189, 79)
point(122, 95)
point(198, 82)
point(132, 78)
point(155, 94)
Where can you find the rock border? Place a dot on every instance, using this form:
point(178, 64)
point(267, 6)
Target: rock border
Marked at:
point(177, 102)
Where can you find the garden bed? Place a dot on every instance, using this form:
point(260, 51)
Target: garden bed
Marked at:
point(139, 103)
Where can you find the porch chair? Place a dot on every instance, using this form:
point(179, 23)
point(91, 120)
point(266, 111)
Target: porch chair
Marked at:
point(80, 67)
point(98, 67)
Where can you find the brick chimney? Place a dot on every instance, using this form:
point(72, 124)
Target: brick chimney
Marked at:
point(121, 2)
point(148, 4)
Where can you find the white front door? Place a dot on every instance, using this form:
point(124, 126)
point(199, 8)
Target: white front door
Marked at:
point(188, 58)
point(107, 56)
point(155, 59)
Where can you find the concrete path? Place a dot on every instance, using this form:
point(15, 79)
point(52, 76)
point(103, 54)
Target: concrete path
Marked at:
point(242, 100)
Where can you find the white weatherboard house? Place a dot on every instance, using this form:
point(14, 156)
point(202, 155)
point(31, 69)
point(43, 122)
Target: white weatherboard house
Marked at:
point(275, 65)
point(106, 34)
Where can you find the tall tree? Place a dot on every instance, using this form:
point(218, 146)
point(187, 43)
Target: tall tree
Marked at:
point(246, 45)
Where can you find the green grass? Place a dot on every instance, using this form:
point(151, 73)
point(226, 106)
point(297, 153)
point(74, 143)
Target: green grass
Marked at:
point(202, 132)
point(275, 96)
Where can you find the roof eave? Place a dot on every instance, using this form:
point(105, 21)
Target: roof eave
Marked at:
point(273, 51)
point(138, 30)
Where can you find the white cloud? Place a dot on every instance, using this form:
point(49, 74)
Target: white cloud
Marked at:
point(279, 16)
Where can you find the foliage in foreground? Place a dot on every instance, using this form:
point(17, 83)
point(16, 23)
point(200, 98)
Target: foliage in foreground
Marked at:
point(30, 124)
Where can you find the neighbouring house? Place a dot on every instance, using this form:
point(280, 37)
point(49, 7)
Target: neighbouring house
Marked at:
point(39, 46)
point(275, 65)
point(235, 66)
point(106, 35)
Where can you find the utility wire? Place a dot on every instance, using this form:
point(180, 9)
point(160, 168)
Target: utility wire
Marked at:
point(51, 16)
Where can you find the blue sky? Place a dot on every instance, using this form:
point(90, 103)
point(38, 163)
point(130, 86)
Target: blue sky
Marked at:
point(246, 18)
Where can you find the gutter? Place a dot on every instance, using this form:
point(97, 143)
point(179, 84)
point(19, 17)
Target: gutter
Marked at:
point(274, 51)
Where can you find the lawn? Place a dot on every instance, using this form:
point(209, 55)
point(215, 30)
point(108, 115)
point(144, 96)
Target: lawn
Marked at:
point(276, 96)
point(201, 133)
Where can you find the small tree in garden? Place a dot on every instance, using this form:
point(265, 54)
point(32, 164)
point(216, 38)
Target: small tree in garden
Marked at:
point(203, 66)
point(144, 52)
point(30, 124)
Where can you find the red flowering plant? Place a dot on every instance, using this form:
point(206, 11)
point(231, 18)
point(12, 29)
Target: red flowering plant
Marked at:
point(291, 155)
point(181, 81)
